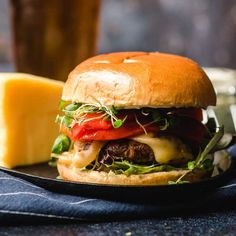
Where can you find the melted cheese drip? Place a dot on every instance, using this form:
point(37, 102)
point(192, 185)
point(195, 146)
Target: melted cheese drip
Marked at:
point(85, 157)
point(166, 149)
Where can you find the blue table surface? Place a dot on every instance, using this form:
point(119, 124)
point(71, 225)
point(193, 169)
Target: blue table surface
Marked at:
point(219, 223)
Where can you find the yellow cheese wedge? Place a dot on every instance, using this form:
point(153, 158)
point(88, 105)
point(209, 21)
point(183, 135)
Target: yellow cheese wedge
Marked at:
point(28, 107)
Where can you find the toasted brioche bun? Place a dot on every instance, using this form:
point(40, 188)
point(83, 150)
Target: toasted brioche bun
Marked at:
point(140, 79)
point(72, 173)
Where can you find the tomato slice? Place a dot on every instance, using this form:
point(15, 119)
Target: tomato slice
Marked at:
point(96, 121)
point(95, 127)
point(188, 128)
point(126, 130)
point(195, 113)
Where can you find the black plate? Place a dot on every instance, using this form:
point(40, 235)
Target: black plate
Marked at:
point(45, 176)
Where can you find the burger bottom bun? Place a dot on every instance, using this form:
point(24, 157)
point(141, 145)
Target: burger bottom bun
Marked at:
point(72, 173)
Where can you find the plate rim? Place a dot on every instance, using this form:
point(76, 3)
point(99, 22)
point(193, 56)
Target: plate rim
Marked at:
point(210, 179)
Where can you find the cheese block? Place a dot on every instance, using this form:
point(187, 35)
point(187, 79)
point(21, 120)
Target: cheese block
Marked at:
point(28, 107)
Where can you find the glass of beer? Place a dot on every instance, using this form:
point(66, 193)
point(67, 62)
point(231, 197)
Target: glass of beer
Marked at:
point(51, 37)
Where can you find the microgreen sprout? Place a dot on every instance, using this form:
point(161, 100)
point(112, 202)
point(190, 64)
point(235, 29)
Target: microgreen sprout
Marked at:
point(202, 161)
point(118, 123)
point(137, 121)
point(79, 113)
point(128, 168)
point(62, 104)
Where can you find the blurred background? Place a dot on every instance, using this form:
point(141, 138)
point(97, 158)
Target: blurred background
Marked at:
point(50, 38)
point(204, 30)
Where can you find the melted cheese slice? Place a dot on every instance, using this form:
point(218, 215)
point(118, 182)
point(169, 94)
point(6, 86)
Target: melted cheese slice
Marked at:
point(28, 107)
point(83, 158)
point(166, 149)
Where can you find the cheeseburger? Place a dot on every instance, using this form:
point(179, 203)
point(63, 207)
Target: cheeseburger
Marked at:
point(135, 118)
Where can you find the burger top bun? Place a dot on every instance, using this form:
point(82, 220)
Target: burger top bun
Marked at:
point(140, 79)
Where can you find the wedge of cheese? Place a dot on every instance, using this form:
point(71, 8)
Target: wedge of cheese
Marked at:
point(28, 107)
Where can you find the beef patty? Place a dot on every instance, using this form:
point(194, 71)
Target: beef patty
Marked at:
point(125, 149)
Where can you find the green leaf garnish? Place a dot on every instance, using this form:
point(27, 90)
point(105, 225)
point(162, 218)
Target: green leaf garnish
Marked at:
point(202, 161)
point(114, 110)
point(211, 145)
point(62, 104)
point(72, 107)
point(206, 164)
point(65, 120)
point(78, 113)
point(127, 168)
point(191, 165)
point(118, 123)
point(61, 144)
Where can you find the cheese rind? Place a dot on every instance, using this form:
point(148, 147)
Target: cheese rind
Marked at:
point(28, 107)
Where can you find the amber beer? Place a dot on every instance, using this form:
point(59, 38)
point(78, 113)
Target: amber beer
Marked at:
point(51, 37)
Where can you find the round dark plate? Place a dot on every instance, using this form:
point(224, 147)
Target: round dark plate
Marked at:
point(45, 176)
